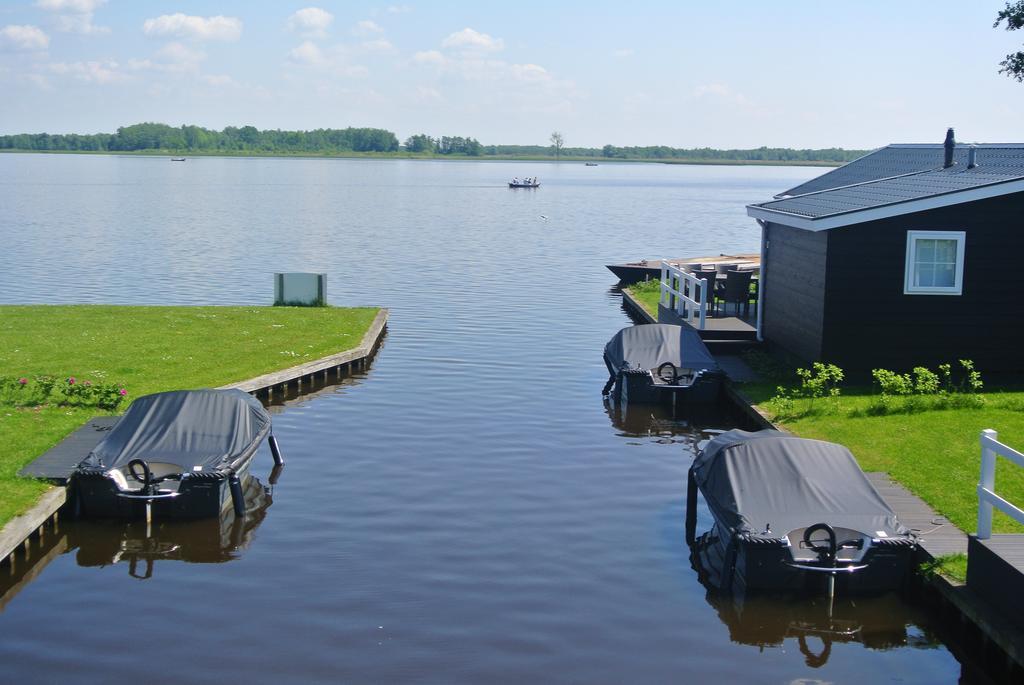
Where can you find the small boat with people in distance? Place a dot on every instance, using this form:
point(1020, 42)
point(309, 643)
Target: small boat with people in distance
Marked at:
point(531, 182)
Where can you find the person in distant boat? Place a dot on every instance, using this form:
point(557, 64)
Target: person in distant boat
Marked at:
point(515, 180)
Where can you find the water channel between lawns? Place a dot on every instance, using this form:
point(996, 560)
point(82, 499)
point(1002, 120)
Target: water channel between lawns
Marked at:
point(465, 510)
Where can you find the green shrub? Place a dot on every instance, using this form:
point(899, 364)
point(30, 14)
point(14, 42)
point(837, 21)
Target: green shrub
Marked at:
point(821, 381)
point(925, 390)
point(21, 391)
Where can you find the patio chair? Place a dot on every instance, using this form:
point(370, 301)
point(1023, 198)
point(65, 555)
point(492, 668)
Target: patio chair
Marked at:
point(735, 289)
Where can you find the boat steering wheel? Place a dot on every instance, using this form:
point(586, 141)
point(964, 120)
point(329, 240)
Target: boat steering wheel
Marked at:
point(825, 549)
point(668, 373)
point(145, 477)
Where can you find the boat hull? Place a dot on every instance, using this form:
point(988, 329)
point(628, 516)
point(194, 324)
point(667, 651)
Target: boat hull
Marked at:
point(738, 564)
point(628, 274)
point(96, 495)
point(636, 388)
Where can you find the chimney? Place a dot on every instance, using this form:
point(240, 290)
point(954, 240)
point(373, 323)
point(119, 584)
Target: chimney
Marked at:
point(949, 144)
point(972, 157)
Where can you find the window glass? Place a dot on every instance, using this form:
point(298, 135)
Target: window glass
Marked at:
point(934, 262)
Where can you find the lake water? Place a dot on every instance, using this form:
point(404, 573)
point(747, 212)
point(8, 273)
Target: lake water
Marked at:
point(466, 509)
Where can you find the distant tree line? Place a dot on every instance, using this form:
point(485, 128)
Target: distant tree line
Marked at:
point(445, 145)
point(161, 137)
point(246, 138)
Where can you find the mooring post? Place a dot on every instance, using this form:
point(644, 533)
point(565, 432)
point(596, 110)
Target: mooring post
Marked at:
point(275, 451)
point(237, 498)
point(691, 508)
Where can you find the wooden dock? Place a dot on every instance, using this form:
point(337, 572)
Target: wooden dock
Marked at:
point(980, 616)
point(938, 536)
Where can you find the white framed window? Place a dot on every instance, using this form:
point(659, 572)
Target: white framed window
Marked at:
point(935, 263)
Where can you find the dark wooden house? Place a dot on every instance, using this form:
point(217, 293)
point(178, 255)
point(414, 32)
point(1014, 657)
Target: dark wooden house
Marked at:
point(911, 255)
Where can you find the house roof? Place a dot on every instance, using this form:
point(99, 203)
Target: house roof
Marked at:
point(895, 180)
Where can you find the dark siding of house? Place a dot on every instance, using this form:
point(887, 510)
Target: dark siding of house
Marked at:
point(870, 323)
point(794, 289)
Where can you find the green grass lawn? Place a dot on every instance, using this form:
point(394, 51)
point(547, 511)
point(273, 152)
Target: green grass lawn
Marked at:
point(147, 349)
point(934, 453)
point(647, 294)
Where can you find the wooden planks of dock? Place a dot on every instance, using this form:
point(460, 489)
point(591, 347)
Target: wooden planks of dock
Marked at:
point(992, 606)
point(938, 536)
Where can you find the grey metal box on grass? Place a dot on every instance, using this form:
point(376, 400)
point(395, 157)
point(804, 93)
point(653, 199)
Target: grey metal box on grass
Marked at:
point(300, 289)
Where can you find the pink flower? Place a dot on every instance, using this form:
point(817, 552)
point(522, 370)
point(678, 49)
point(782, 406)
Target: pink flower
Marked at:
point(22, 381)
point(71, 380)
point(87, 384)
point(123, 392)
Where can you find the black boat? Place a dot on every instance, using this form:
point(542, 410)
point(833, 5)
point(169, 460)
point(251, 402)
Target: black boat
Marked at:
point(793, 514)
point(660, 362)
point(177, 455)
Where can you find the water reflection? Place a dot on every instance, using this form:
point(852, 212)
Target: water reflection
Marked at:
point(141, 545)
point(876, 623)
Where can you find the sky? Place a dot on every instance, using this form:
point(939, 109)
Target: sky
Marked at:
point(683, 74)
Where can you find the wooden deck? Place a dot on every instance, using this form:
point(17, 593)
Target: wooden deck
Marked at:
point(938, 536)
point(988, 602)
point(716, 328)
point(57, 463)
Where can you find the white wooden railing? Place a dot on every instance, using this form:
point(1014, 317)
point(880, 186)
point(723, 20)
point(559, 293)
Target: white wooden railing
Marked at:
point(685, 293)
point(987, 497)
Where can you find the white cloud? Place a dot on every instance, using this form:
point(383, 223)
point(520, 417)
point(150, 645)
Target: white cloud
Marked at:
point(378, 45)
point(309, 53)
point(195, 28)
point(173, 58)
point(366, 28)
point(622, 52)
point(74, 16)
point(89, 72)
point(430, 57)
point(23, 38)
point(473, 41)
point(311, 21)
point(78, 6)
point(529, 72)
point(719, 92)
point(332, 60)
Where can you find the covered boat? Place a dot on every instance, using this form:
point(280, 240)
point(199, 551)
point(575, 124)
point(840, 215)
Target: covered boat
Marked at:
point(793, 514)
point(661, 362)
point(180, 454)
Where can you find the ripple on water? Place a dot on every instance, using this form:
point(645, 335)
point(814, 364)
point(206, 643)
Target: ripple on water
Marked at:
point(465, 511)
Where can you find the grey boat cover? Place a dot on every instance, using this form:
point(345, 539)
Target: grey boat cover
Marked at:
point(648, 346)
point(750, 480)
point(189, 428)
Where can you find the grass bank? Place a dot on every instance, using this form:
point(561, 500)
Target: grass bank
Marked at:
point(145, 350)
point(933, 452)
point(647, 294)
